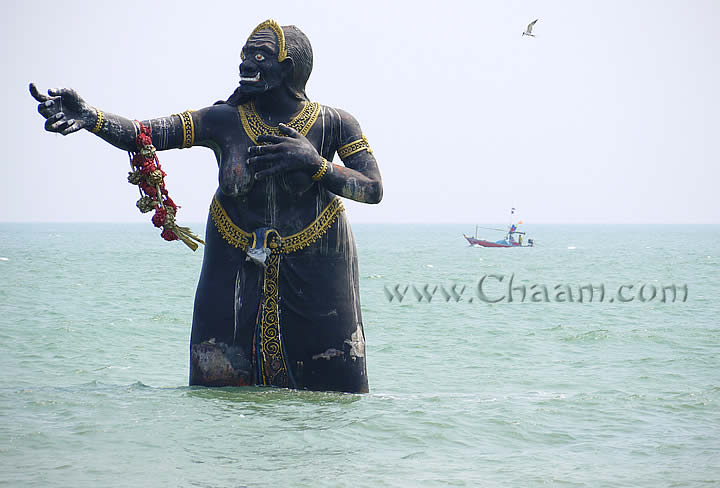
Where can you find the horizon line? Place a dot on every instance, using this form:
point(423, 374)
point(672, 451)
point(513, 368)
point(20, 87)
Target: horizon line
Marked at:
point(411, 222)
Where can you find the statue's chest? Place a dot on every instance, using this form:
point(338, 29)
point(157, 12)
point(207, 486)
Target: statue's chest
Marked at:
point(295, 183)
point(253, 124)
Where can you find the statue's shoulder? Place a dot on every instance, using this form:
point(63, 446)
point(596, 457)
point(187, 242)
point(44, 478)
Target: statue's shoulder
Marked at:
point(342, 120)
point(219, 112)
point(215, 117)
point(338, 115)
point(346, 125)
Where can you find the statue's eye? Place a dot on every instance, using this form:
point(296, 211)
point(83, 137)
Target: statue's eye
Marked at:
point(259, 57)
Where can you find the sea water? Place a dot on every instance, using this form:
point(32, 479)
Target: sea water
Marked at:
point(525, 391)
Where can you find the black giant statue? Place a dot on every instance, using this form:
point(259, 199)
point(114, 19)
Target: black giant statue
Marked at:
point(278, 301)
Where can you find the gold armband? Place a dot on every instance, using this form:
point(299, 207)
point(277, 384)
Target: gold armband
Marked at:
point(188, 129)
point(99, 122)
point(321, 172)
point(354, 147)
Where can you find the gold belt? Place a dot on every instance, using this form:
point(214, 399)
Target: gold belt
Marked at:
point(241, 239)
point(272, 365)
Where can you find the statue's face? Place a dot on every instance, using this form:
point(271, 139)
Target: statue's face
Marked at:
point(260, 70)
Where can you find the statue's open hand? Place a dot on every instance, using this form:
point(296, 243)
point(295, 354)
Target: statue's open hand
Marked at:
point(283, 154)
point(64, 110)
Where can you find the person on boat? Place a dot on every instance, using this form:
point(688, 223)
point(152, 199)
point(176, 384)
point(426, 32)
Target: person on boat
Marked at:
point(277, 302)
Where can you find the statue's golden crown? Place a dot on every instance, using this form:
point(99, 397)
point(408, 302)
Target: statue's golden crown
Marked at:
point(275, 27)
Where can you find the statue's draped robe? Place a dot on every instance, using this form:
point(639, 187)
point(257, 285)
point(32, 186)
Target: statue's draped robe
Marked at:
point(319, 322)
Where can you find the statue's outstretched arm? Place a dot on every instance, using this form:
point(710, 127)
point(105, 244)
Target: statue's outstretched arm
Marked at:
point(66, 112)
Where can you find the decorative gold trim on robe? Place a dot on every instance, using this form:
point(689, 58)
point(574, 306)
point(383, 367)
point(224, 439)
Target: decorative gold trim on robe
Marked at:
point(241, 239)
point(254, 125)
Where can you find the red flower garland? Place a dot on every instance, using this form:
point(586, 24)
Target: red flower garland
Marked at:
point(150, 179)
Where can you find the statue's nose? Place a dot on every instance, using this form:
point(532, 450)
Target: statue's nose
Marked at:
point(247, 67)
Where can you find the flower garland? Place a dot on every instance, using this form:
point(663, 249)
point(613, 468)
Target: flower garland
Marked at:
point(150, 179)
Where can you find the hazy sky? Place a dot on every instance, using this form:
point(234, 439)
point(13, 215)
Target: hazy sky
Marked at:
point(609, 115)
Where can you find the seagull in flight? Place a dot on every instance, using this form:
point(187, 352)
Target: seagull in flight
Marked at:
point(528, 30)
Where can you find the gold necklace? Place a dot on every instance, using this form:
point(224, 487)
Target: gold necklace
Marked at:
point(254, 125)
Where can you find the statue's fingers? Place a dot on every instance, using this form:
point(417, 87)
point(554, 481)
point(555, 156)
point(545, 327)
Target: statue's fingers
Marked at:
point(289, 131)
point(264, 159)
point(63, 92)
point(59, 126)
point(267, 173)
point(273, 139)
point(56, 123)
point(48, 108)
point(36, 94)
point(268, 149)
point(73, 126)
point(53, 119)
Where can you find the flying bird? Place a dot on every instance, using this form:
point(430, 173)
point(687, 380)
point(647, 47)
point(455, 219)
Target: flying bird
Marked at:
point(528, 30)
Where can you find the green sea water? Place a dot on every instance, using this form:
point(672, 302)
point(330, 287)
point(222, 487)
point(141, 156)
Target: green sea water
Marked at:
point(95, 324)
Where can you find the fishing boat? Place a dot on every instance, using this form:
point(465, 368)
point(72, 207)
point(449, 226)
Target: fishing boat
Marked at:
point(509, 240)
